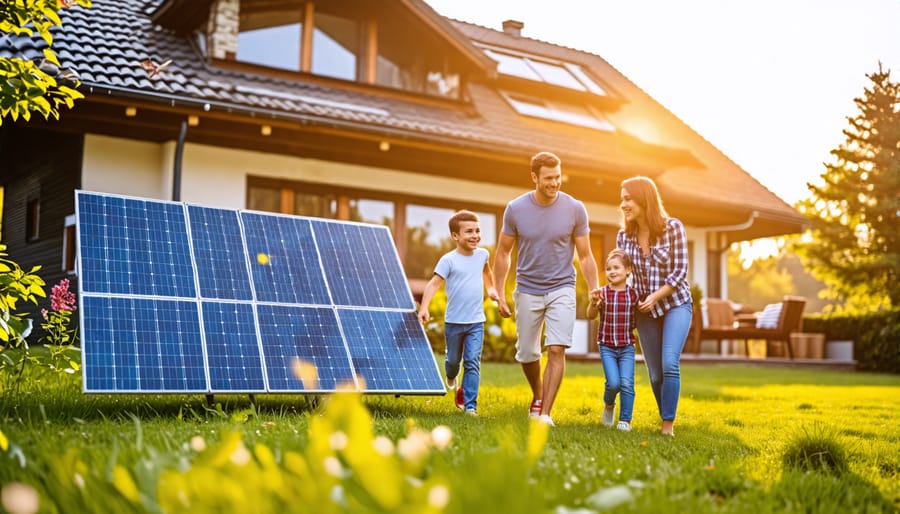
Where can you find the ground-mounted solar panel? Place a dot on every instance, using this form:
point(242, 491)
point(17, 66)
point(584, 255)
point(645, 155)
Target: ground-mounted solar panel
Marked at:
point(195, 299)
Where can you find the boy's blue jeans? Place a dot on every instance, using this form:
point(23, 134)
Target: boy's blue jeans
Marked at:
point(464, 342)
point(662, 340)
point(618, 367)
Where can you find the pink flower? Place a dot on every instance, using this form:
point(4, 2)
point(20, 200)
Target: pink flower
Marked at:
point(61, 299)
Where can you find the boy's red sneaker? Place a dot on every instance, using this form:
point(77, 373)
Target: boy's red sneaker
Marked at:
point(535, 409)
point(460, 400)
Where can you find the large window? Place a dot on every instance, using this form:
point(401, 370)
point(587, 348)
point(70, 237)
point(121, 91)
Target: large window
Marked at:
point(271, 38)
point(332, 40)
point(419, 230)
point(335, 45)
point(428, 237)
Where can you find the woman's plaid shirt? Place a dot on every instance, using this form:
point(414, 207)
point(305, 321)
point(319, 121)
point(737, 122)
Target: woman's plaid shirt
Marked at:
point(667, 263)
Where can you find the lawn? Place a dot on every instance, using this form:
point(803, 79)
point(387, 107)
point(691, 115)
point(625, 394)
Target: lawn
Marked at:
point(152, 453)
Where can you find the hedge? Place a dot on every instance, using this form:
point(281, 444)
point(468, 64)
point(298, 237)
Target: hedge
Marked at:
point(875, 336)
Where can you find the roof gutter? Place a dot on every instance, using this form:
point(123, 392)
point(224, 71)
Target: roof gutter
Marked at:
point(304, 119)
point(734, 228)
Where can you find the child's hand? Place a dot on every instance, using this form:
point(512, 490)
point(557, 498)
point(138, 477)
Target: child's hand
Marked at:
point(424, 316)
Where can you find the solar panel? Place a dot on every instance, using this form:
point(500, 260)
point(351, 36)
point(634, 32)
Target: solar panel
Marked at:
point(195, 299)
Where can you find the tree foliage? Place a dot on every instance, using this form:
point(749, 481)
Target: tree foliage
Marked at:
point(855, 227)
point(757, 283)
point(28, 86)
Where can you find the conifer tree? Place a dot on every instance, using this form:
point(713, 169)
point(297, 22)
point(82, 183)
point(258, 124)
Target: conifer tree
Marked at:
point(855, 213)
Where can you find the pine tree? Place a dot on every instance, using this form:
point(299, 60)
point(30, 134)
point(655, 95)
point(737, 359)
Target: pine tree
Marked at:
point(855, 214)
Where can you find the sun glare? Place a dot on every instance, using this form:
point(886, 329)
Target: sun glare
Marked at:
point(757, 249)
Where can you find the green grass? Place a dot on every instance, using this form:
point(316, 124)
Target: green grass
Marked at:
point(735, 427)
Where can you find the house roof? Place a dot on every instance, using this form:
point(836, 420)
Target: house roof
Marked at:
point(107, 43)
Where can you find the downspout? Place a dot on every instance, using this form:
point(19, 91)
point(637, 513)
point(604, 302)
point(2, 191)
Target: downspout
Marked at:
point(176, 166)
point(720, 249)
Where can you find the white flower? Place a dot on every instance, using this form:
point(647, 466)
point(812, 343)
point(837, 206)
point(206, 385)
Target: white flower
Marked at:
point(241, 456)
point(338, 440)
point(414, 446)
point(439, 496)
point(441, 436)
point(198, 444)
point(19, 498)
point(333, 466)
point(383, 445)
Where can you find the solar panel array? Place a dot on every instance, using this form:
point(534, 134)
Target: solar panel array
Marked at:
point(184, 298)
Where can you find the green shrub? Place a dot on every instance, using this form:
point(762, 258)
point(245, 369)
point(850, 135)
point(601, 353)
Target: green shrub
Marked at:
point(875, 336)
point(499, 332)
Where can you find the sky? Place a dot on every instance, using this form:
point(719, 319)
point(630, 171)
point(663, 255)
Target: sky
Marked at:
point(768, 82)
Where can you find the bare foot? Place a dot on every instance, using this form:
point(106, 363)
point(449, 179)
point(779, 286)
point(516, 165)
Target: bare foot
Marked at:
point(668, 428)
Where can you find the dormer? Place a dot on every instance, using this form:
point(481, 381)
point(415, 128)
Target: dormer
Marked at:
point(399, 45)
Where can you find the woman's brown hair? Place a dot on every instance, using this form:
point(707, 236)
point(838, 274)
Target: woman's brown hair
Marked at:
point(644, 193)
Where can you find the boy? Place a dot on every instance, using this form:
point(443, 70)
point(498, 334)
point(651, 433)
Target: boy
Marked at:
point(617, 303)
point(466, 271)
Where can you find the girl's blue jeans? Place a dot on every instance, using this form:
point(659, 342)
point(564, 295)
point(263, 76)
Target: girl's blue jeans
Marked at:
point(618, 367)
point(464, 342)
point(662, 340)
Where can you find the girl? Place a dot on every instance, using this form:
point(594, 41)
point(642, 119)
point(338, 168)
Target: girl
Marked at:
point(616, 338)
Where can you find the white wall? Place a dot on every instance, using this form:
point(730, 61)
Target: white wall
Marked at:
point(218, 177)
point(122, 166)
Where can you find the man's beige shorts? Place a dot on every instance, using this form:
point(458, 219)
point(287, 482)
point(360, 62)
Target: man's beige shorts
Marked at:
point(557, 308)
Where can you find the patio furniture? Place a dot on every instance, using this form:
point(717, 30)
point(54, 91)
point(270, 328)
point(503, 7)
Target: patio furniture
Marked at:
point(790, 320)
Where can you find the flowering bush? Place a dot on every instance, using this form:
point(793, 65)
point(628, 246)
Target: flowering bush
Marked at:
point(59, 337)
point(499, 332)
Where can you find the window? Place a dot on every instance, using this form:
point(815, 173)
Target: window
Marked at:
point(572, 114)
point(428, 237)
point(335, 44)
point(271, 38)
point(420, 231)
point(32, 219)
point(331, 39)
point(538, 69)
point(68, 253)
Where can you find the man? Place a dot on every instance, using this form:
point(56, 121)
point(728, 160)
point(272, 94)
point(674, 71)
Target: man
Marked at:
point(547, 226)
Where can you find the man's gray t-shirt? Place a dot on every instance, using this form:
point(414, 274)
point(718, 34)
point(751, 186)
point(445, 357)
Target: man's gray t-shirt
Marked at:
point(545, 237)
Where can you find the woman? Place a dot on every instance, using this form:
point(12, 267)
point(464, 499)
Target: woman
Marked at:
point(658, 249)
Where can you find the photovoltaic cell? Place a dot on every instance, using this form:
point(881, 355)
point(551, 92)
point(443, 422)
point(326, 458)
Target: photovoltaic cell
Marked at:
point(361, 265)
point(387, 351)
point(292, 273)
point(232, 348)
point(187, 298)
point(135, 247)
point(297, 335)
point(135, 344)
point(219, 253)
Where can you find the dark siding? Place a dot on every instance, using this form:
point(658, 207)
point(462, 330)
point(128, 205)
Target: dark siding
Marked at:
point(44, 165)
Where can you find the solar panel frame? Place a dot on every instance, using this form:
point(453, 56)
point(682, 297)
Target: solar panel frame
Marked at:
point(221, 284)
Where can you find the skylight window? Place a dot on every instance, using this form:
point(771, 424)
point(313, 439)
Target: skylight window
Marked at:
point(564, 112)
point(563, 74)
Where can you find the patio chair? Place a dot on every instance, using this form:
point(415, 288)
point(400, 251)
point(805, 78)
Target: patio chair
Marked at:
point(790, 320)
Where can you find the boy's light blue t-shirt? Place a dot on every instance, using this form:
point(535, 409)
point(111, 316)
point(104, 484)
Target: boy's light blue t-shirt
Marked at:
point(545, 237)
point(464, 285)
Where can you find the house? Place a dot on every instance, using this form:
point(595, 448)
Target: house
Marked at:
point(371, 110)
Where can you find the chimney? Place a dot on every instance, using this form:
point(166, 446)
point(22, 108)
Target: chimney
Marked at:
point(513, 28)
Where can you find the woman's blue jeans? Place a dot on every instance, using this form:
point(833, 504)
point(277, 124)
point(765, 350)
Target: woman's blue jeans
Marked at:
point(464, 342)
point(618, 366)
point(662, 340)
